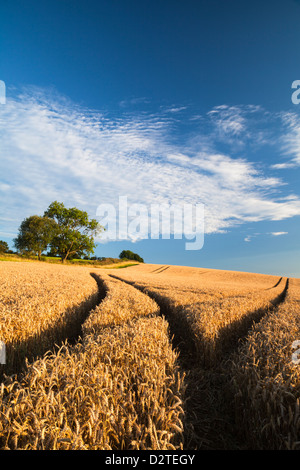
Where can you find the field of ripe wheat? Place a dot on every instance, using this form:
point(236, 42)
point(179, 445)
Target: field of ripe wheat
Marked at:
point(266, 378)
point(149, 357)
point(211, 309)
point(41, 304)
point(119, 387)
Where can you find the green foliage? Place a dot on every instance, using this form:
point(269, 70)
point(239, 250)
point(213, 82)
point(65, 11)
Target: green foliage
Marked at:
point(127, 254)
point(75, 235)
point(4, 248)
point(35, 234)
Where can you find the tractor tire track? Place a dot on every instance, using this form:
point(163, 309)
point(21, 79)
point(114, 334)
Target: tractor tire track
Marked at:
point(275, 285)
point(56, 335)
point(157, 269)
point(160, 270)
point(209, 418)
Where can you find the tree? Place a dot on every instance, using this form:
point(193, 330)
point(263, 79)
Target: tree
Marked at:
point(4, 248)
point(75, 235)
point(127, 254)
point(35, 234)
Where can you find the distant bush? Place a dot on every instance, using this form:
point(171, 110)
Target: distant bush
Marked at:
point(127, 254)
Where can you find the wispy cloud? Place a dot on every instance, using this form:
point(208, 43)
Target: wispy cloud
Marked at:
point(278, 234)
point(175, 109)
point(284, 166)
point(134, 101)
point(229, 120)
point(241, 126)
point(53, 149)
point(249, 238)
point(289, 141)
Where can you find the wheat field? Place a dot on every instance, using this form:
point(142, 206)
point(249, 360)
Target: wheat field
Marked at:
point(214, 307)
point(41, 304)
point(148, 357)
point(118, 388)
point(266, 381)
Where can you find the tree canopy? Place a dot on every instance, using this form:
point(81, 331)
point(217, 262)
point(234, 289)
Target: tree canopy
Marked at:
point(4, 248)
point(76, 232)
point(35, 234)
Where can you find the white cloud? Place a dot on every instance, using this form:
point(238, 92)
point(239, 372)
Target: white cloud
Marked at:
point(52, 149)
point(249, 238)
point(242, 126)
point(283, 166)
point(229, 120)
point(290, 141)
point(278, 234)
point(176, 109)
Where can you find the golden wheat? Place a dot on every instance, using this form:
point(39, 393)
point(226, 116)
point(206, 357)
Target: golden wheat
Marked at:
point(122, 303)
point(119, 389)
point(210, 319)
point(266, 382)
point(40, 304)
point(204, 283)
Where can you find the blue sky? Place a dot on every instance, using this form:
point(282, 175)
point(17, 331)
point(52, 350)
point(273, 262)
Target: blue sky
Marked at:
point(163, 102)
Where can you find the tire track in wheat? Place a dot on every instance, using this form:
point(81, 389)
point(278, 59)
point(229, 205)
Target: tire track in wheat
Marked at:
point(208, 422)
point(67, 327)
